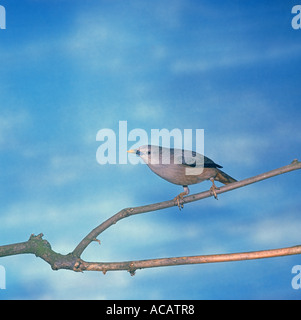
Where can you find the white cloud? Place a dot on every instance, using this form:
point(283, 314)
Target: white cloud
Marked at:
point(235, 59)
point(242, 149)
point(148, 111)
point(277, 231)
point(11, 123)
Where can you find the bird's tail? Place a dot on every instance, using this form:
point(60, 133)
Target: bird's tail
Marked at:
point(224, 178)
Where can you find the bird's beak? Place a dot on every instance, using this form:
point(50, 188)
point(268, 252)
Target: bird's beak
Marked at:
point(132, 151)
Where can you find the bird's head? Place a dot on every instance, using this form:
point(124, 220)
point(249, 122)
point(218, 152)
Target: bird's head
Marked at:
point(146, 153)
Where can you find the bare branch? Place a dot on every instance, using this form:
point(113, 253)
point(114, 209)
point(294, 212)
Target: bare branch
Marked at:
point(295, 165)
point(41, 248)
point(132, 266)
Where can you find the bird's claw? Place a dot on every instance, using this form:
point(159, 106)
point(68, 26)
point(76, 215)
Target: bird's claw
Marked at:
point(213, 189)
point(179, 198)
point(179, 201)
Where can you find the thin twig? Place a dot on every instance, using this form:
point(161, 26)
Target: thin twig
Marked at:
point(132, 266)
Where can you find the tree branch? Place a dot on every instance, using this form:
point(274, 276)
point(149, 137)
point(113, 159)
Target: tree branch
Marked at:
point(132, 266)
point(295, 165)
point(72, 261)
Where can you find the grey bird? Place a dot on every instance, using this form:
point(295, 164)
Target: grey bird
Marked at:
point(182, 167)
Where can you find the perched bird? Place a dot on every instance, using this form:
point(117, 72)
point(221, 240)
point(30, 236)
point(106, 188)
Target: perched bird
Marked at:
point(182, 167)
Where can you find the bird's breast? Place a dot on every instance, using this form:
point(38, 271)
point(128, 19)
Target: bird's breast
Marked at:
point(182, 175)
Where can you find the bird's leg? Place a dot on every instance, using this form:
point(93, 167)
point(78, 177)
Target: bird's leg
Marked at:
point(213, 188)
point(179, 197)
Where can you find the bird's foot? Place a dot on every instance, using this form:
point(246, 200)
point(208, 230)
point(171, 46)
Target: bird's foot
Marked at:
point(179, 200)
point(213, 189)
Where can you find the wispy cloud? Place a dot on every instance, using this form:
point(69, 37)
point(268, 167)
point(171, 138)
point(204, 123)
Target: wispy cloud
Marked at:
point(248, 57)
point(11, 126)
point(243, 149)
point(280, 230)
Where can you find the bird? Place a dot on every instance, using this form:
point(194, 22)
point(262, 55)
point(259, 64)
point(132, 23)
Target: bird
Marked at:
point(182, 167)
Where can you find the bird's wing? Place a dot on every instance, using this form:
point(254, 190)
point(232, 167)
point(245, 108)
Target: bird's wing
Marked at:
point(193, 159)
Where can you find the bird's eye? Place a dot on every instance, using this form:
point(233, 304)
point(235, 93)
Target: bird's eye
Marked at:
point(148, 152)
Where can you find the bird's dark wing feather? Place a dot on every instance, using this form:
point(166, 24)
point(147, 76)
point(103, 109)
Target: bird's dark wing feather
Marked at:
point(208, 163)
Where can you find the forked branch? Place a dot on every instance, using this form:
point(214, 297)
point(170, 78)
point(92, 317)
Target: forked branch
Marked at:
point(72, 261)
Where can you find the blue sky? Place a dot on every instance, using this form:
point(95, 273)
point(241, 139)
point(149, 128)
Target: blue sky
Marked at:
point(71, 68)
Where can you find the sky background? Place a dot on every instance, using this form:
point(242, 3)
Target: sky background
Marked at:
point(71, 68)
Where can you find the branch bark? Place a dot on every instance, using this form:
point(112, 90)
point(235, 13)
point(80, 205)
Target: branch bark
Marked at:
point(41, 248)
point(132, 266)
